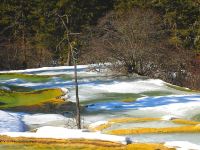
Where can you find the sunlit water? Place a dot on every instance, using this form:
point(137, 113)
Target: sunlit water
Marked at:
point(151, 124)
point(161, 138)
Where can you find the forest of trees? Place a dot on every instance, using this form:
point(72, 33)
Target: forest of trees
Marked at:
point(31, 30)
point(156, 38)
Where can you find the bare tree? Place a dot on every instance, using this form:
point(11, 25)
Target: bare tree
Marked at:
point(131, 39)
point(138, 42)
point(74, 53)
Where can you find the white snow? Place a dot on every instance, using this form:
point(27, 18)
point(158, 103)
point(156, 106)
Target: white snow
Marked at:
point(5, 88)
point(10, 122)
point(95, 86)
point(66, 93)
point(59, 70)
point(65, 90)
point(42, 118)
point(12, 81)
point(182, 145)
point(64, 133)
point(168, 117)
point(174, 105)
point(137, 86)
point(44, 69)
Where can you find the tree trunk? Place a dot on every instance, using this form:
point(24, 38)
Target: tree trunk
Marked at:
point(24, 63)
point(69, 59)
point(78, 118)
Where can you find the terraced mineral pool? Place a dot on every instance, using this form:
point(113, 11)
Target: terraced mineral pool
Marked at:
point(13, 99)
point(178, 105)
point(149, 124)
point(24, 77)
point(196, 117)
point(108, 96)
point(161, 138)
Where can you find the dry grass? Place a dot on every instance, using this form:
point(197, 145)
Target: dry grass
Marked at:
point(101, 127)
point(187, 122)
point(147, 146)
point(52, 144)
point(182, 129)
point(61, 142)
point(128, 120)
point(122, 120)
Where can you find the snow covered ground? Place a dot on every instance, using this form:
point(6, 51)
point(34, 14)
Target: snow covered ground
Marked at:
point(182, 145)
point(177, 105)
point(47, 70)
point(64, 133)
point(11, 122)
point(101, 91)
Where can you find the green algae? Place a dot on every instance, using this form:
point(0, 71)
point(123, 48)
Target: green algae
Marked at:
point(180, 88)
point(125, 97)
point(16, 88)
point(106, 97)
point(196, 117)
point(25, 77)
point(11, 99)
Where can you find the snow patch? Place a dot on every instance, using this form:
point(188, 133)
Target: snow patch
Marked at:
point(174, 105)
point(10, 122)
point(65, 90)
point(5, 88)
point(66, 93)
point(43, 118)
point(138, 86)
point(44, 69)
point(168, 117)
point(182, 145)
point(64, 133)
point(14, 81)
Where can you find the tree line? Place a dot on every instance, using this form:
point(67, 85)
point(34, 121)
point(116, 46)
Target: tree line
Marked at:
point(156, 38)
point(30, 31)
